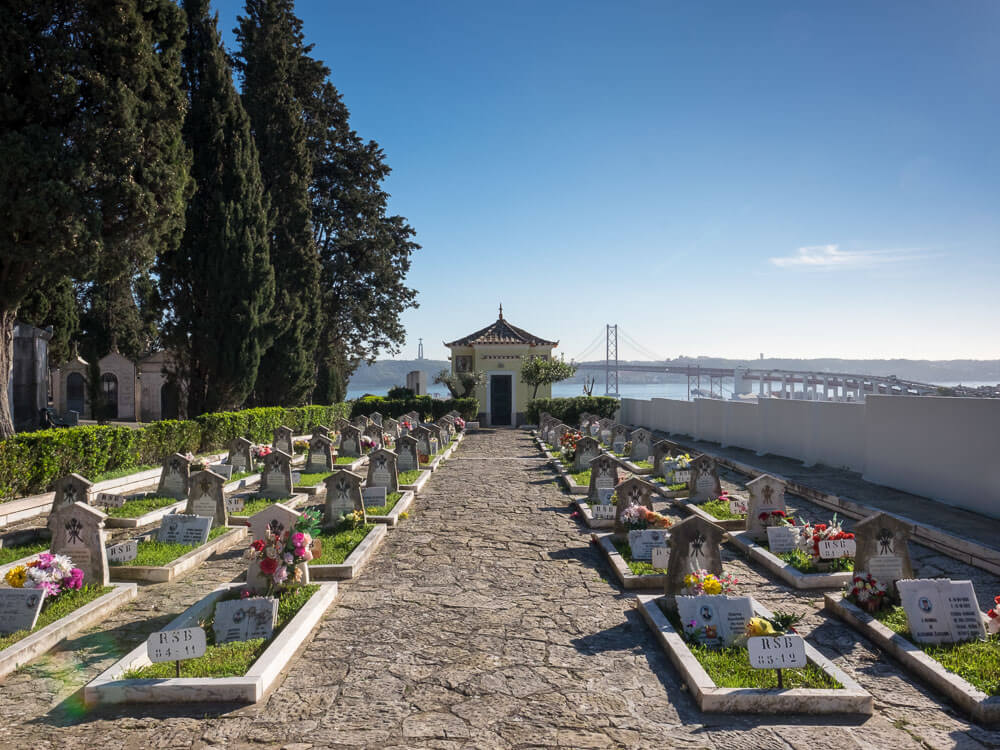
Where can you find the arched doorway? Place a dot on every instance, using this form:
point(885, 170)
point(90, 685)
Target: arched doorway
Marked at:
point(169, 401)
point(109, 391)
point(75, 392)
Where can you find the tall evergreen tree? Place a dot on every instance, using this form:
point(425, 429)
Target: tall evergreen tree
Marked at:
point(55, 306)
point(271, 59)
point(92, 168)
point(219, 284)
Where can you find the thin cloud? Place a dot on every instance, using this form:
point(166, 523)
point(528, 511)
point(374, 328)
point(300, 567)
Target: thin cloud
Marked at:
point(832, 258)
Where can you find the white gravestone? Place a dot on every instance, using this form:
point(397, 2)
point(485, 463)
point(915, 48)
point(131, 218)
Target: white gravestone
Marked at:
point(782, 539)
point(343, 495)
point(179, 528)
point(382, 470)
point(123, 552)
point(350, 442)
point(717, 620)
point(602, 512)
point(776, 651)
point(738, 506)
point(240, 455)
point(276, 519)
point(19, 609)
point(206, 497)
point(78, 531)
point(320, 455)
point(833, 549)
point(72, 488)
point(109, 500)
point(939, 610)
point(176, 645)
point(407, 458)
point(373, 497)
point(283, 440)
point(642, 541)
point(245, 619)
point(276, 480)
point(767, 494)
point(174, 477)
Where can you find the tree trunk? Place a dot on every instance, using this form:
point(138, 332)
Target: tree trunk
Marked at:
point(7, 317)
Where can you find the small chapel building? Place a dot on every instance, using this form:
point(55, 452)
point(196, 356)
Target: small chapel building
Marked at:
point(497, 350)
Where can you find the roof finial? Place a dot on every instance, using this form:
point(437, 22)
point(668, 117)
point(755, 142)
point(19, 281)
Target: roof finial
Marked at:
point(501, 311)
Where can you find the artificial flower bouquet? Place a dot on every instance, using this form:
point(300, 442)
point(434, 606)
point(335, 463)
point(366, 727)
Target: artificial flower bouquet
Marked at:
point(367, 444)
point(300, 446)
point(993, 626)
point(53, 574)
point(259, 451)
point(568, 442)
point(813, 534)
point(702, 582)
point(776, 518)
point(459, 424)
point(279, 555)
point(677, 463)
point(639, 517)
point(867, 593)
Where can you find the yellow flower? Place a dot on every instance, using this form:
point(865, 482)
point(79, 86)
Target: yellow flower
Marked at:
point(16, 576)
point(690, 580)
point(712, 586)
point(759, 626)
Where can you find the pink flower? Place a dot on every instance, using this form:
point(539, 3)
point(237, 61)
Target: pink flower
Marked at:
point(300, 551)
point(298, 539)
point(280, 576)
point(288, 558)
point(246, 594)
point(50, 588)
point(74, 580)
point(45, 560)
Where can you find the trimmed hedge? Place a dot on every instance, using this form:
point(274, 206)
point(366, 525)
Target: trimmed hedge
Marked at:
point(396, 407)
point(31, 462)
point(568, 410)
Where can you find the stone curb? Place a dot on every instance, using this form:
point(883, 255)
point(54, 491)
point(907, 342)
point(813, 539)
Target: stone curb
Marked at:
point(401, 506)
point(851, 699)
point(262, 677)
point(146, 519)
point(417, 486)
point(355, 561)
point(626, 577)
point(787, 573)
point(17, 655)
point(182, 565)
point(295, 501)
point(588, 516)
point(727, 524)
point(975, 702)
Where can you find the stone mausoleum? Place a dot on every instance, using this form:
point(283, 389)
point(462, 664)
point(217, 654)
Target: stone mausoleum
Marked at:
point(497, 351)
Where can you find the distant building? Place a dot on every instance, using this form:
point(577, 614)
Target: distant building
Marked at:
point(28, 389)
point(497, 350)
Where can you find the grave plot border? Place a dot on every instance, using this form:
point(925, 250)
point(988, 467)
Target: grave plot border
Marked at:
point(583, 507)
point(146, 519)
point(564, 476)
point(417, 486)
point(25, 650)
point(788, 573)
point(626, 577)
point(294, 501)
point(850, 699)
point(264, 675)
point(402, 505)
point(981, 707)
point(182, 565)
point(359, 557)
point(726, 524)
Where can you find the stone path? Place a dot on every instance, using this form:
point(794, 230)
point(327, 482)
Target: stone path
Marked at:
point(486, 620)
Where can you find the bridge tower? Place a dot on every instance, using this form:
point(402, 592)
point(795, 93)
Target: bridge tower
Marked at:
point(420, 349)
point(611, 361)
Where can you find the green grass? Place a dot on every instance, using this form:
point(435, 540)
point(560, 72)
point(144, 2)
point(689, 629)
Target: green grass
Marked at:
point(237, 476)
point(976, 662)
point(409, 477)
point(342, 460)
point(671, 487)
point(340, 542)
point(311, 480)
point(141, 506)
point(257, 503)
point(123, 472)
point(228, 659)
point(10, 554)
point(638, 567)
point(720, 509)
point(581, 478)
point(643, 464)
point(803, 561)
point(390, 502)
point(730, 667)
point(56, 609)
point(157, 554)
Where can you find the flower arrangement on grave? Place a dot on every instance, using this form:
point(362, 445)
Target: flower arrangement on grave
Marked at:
point(639, 517)
point(366, 444)
point(259, 451)
point(459, 424)
point(567, 442)
point(993, 626)
point(278, 555)
point(813, 534)
point(423, 458)
point(776, 518)
point(54, 574)
point(300, 446)
point(675, 463)
point(702, 582)
point(406, 424)
point(867, 593)
point(627, 449)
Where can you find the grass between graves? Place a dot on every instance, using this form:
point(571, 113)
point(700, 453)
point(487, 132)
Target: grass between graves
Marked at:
point(342, 460)
point(311, 480)
point(976, 662)
point(340, 542)
point(237, 476)
point(118, 473)
point(581, 478)
point(257, 503)
point(804, 563)
point(390, 502)
point(228, 659)
point(10, 554)
point(643, 464)
point(638, 567)
point(141, 506)
point(56, 609)
point(409, 477)
point(720, 509)
point(156, 554)
point(730, 667)
point(670, 487)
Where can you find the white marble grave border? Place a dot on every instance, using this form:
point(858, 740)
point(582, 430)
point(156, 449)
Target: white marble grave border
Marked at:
point(788, 573)
point(850, 699)
point(147, 518)
point(355, 561)
point(417, 486)
point(262, 677)
point(626, 577)
point(402, 505)
point(18, 654)
point(727, 524)
point(564, 476)
point(182, 565)
point(588, 517)
point(975, 702)
point(294, 501)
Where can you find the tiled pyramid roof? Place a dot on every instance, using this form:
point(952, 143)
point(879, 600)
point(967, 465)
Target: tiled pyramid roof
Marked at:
point(501, 332)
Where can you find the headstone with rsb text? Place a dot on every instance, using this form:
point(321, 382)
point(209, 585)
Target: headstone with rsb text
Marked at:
point(343, 495)
point(882, 549)
point(19, 609)
point(207, 498)
point(174, 477)
point(605, 473)
point(407, 456)
point(939, 610)
point(72, 488)
point(382, 470)
point(123, 552)
point(240, 455)
point(320, 455)
point(108, 500)
point(715, 620)
point(283, 437)
point(776, 651)
point(176, 645)
point(179, 528)
point(642, 444)
point(767, 494)
point(276, 479)
point(223, 470)
point(694, 545)
point(245, 619)
point(704, 484)
point(78, 531)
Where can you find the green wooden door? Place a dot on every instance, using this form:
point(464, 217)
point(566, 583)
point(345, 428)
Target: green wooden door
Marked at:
point(501, 388)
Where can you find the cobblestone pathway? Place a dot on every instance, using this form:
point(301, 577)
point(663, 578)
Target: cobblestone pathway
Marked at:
point(486, 620)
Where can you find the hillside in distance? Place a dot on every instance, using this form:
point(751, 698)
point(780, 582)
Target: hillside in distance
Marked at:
point(386, 373)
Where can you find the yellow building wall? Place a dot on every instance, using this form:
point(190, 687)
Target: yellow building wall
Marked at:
point(497, 359)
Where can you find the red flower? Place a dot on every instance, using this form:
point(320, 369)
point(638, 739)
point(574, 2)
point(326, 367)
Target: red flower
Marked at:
point(268, 565)
point(259, 545)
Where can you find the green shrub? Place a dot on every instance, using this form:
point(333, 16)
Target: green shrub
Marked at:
point(568, 410)
point(434, 407)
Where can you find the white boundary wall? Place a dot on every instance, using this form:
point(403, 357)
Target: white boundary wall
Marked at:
point(947, 449)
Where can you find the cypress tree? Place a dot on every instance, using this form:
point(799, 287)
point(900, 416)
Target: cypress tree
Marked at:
point(219, 284)
point(271, 58)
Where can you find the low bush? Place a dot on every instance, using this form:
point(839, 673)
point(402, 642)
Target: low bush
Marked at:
point(568, 410)
point(434, 407)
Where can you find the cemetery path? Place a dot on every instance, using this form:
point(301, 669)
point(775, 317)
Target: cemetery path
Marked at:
point(486, 620)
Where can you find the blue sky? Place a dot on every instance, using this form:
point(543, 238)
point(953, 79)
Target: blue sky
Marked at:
point(724, 178)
